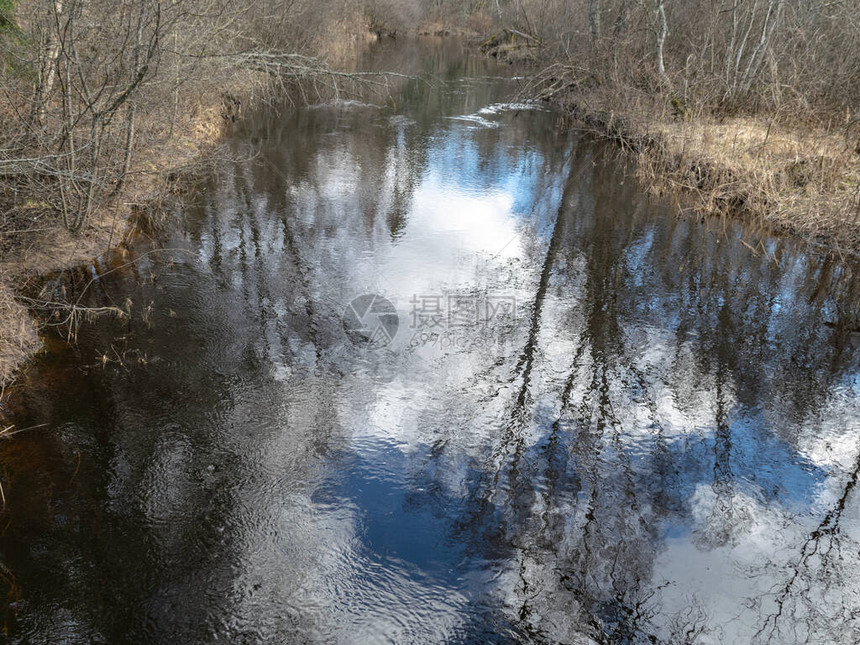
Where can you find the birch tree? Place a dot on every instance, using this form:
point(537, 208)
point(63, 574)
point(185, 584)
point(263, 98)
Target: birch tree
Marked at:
point(662, 33)
point(743, 58)
point(48, 56)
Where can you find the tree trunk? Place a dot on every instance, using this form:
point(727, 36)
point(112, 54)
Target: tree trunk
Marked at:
point(86, 208)
point(129, 146)
point(733, 39)
point(594, 18)
point(739, 54)
point(662, 32)
point(754, 63)
point(48, 66)
point(622, 18)
point(132, 108)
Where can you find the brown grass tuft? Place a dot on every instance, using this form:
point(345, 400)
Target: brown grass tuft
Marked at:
point(798, 179)
point(18, 337)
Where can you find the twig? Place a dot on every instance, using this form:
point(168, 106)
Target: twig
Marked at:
point(5, 432)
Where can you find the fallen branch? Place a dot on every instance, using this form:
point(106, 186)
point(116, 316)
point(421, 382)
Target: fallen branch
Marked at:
point(297, 67)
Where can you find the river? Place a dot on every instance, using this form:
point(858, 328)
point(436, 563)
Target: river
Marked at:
point(430, 367)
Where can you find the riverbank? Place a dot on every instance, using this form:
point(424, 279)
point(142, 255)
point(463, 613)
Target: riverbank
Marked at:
point(173, 144)
point(797, 178)
point(39, 245)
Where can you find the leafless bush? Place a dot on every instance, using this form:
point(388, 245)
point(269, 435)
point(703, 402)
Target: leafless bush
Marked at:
point(91, 85)
point(799, 57)
point(84, 72)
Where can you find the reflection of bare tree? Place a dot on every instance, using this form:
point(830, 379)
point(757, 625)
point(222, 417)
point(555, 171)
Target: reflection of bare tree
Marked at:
point(817, 602)
point(579, 556)
point(574, 499)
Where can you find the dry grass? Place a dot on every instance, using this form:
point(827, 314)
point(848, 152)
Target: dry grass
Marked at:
point(788, 175)
point(799, 179)
point(341, 42)
point(18, 337)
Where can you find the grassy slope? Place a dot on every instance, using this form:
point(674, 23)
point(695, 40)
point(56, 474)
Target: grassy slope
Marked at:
point(797, 177)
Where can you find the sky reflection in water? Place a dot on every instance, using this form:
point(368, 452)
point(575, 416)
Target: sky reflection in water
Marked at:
point(662, 443)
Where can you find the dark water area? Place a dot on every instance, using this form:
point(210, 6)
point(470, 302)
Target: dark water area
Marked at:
point(431, 368)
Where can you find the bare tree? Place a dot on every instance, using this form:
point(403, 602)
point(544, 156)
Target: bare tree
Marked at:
point(49, 54)
point(622, 18)
point(742, 67)
point(755, 59)
point(594, 18)
point(662, 33)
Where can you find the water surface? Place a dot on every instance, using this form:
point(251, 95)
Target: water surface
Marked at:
point(596, 422)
